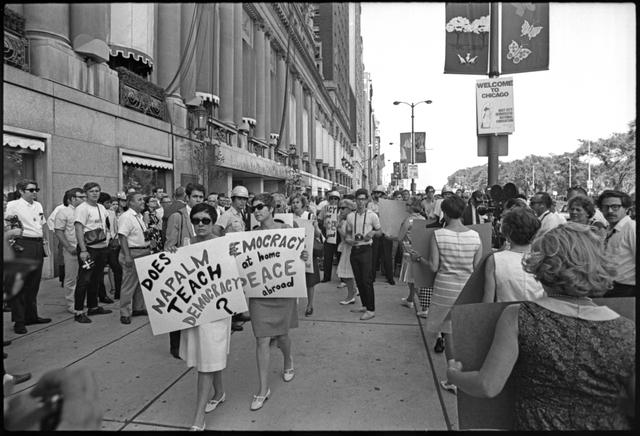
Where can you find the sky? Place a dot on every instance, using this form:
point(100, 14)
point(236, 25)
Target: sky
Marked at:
point(589, 91)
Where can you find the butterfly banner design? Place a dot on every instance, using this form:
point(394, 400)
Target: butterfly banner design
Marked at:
point(466, 38)
point(525, 37)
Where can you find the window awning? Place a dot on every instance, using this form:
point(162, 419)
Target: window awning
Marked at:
point(146, 162)
point(21, 142)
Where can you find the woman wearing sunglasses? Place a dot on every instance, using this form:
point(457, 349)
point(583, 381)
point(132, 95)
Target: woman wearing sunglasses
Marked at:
point(205, 346)
point(271, 317)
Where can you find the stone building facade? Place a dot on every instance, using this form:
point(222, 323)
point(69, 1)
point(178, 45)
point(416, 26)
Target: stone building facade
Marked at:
point(111, 92)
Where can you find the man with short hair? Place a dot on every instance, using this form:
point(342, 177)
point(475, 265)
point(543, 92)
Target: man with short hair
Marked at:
point(541, 204)
point(429, 202)
point(361, 228)
point(179, 230)
point(158, 193)
point(65, 230)
point(579, 190)
point(177, 204)
point(620, 243)
point(212, 199)
point(134, 243)
point(90, 216)
point(24, 308)
point(397, 195)
point(325, 223)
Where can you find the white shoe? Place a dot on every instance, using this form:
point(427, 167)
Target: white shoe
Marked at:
point(407, 303)
point(211, 404)
point(342, 285)
point(287, 374)
point(367, 315)
point(422, 313)
point(345, 302)
point(70, 309)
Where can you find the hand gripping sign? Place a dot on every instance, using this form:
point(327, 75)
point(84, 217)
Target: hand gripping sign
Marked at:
point(269, 263)
point(195, 285)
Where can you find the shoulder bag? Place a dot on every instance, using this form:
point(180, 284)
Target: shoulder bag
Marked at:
point(96, 236)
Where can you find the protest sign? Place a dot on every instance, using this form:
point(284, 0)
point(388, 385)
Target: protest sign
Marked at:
point(269, 263)
point(473, 327)
point(196, 285)
point(309, 234)
point(391, 213)
point(420, 240)
point(331, 223)
point(286, 218)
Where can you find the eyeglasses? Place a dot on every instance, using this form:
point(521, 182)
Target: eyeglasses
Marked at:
point(258, 207)
point(205, 221)
point(32, 190)
point(80, 197)
point(613, 207)
point(334, 198)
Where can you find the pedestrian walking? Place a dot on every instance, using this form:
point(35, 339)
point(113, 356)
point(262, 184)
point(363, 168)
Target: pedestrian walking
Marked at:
point(345, 271)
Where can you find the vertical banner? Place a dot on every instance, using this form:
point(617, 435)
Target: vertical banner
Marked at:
point(404, 170)
point(268, 262)
point(466, 38)
point(381, 161)
point(525, 37)
point(190, 287)
point(391, 213)
point(405, 147)
point(331, 223)
point(421, 152)
point(494, 106)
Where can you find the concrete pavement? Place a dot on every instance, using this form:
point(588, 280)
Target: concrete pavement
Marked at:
point(380, 374)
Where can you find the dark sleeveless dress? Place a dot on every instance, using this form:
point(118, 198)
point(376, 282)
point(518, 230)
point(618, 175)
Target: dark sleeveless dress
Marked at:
point(570, 372)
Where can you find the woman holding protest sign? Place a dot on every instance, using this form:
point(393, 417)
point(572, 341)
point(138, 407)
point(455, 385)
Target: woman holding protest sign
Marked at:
point(573, 361)
point(271, 317)
point(345, 272)
point(205, 346)
point(299, 204)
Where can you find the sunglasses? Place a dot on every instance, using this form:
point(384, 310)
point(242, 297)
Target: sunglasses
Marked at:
point(343, 207)
point(32, 190)
point(258, 207)
point(205, 221)
point(334, 198)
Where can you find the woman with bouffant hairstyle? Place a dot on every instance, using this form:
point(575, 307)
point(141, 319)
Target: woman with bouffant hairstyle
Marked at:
point(573, 361)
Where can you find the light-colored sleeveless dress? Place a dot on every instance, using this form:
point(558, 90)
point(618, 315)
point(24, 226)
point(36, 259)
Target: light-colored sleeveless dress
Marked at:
point(513, 283)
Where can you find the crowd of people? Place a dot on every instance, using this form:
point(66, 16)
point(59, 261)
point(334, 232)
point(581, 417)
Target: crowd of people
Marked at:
point(551, 267)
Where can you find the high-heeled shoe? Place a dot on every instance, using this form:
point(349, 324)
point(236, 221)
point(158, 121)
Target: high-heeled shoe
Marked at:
point(211, 404)
point(287, 374)
point(439, 347)
point(258, 401)
point(196, 428)
point(345, 302)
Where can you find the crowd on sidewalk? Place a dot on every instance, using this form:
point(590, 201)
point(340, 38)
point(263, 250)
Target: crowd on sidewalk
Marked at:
point(553, 265)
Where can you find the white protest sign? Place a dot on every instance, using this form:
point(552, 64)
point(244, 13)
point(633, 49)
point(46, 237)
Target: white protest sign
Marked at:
point(331, 223)
point(195, 285)
point(269, 263)
point(309, 235)
point(494, 105)
point(391, 213)
point(286, 218)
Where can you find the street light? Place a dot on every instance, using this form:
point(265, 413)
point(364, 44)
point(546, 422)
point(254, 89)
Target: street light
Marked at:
point(413, 145)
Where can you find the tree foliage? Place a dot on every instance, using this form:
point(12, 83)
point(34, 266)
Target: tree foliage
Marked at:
point(613, 166)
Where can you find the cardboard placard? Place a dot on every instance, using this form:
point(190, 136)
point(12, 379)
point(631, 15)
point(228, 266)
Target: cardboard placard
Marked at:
point(420, 240)
point(309, 235)
point(391, 213)
point(190, 287)
point(269, 263)
point(331, 223)
point(473, 327)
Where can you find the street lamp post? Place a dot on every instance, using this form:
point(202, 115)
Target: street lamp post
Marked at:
point(413, 144)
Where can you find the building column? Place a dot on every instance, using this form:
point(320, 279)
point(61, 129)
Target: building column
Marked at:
point(188, 85)
point(259, 43)
point(299, 97)
point(310, 104)
point(204, 79)
point(226, 61)
point(281, 95)
point(47, 21)
point(90, 19)
point(237, 65)
point(268, 128)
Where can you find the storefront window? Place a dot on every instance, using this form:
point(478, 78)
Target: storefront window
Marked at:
point(18, 165)
point(142, 178)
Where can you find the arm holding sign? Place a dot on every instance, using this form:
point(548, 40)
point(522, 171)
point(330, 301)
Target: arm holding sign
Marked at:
point(489, 280)
point(434, 255)
point(496, 369)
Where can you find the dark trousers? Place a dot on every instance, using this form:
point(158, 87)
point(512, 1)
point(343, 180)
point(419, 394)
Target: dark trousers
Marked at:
point(112, 261)
point(361, 265)
point(89, 279)
point(174, 340)
point(620, 290)
point(24, 307)
point(386, 250)
point(327, 265)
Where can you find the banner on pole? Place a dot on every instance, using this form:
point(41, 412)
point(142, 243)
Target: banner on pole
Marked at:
point(405, 147)
point(467, 38)
point(525, 37)
point(190, 287)
point(412, 171)
point(494, 106)
point(421, 151)
point(268, 262)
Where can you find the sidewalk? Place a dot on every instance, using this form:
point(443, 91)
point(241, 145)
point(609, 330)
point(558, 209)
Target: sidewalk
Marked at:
point(380, 374)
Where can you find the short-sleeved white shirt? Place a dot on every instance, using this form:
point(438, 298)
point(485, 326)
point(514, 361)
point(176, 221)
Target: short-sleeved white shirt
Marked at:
point(131, 225)
point(65, 220)
point(30, 214)
point(621, 247)
point(51, 221)
point(92, 218)
point(231, 221)
point(362, 224)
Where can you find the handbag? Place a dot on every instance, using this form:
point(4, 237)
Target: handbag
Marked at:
point(318, 247)
point(95, 236)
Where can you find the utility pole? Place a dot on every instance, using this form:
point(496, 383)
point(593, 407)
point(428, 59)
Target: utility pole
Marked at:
point(494, 49)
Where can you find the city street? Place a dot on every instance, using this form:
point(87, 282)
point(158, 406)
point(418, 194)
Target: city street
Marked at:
point(380, 374)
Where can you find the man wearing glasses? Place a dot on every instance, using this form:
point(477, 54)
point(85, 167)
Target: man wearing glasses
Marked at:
point(429, 203)
point(362, 227)
point(541, 204)
point(65, 229)
point(620, 243)
point(24, 308)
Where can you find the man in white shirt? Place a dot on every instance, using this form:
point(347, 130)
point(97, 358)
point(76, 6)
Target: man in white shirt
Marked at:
point(620, 243)
point(541, 204)
point(429, 203)
point(89, 217)
point(24, 308)
point(65, 230)
point(134, 243)
point(362, 227)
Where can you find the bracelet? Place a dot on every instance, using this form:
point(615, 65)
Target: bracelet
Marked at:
point(419, 258)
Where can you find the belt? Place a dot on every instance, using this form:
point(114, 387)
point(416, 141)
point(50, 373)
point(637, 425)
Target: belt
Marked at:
point(138, 248)
point(359, 247)
point(28, 238)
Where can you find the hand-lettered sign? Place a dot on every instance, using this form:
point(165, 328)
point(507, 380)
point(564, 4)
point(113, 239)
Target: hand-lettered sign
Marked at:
point(190, 287)
point(269, 263)
point(391, 213)
point(331, 223)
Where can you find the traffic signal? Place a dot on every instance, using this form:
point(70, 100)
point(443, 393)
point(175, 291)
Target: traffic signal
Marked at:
point(396, 170)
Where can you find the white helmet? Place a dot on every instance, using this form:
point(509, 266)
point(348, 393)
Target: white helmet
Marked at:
point(446, 188)
point(380, 188)
point(240, 191)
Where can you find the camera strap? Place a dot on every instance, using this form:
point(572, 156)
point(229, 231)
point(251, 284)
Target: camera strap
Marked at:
point(355, 223)
point(140, 223)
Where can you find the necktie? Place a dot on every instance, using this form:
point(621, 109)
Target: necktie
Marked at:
point(606, 240)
